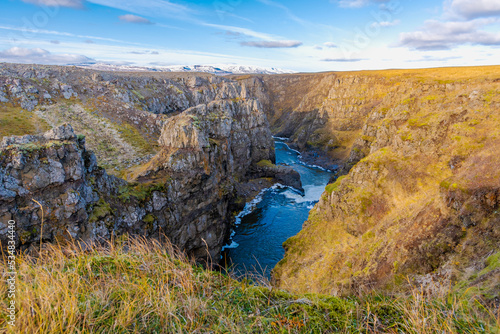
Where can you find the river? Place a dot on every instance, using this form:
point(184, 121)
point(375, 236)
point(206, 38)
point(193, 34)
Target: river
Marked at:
point(274, 216)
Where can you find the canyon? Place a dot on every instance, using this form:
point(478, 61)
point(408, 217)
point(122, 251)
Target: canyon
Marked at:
point(416, 153)
point(186, 172)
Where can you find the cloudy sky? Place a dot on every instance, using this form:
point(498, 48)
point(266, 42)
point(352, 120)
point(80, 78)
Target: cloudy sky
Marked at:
point(314, 35)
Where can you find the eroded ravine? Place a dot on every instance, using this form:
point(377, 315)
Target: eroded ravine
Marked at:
point(274, 216)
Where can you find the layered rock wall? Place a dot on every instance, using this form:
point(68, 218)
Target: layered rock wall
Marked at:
point(209, 143)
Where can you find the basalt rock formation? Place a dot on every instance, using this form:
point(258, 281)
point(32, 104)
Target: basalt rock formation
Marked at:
point(209, 144)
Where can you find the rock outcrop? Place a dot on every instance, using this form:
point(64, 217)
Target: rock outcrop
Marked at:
point(210, 141)
point(121, 114)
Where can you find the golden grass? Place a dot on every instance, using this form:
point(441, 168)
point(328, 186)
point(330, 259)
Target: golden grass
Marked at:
point(143, 286)
point(16, 122)
point(443, 74)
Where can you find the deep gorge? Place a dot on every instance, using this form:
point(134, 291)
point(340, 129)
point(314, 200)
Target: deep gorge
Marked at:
point(276, 215)
point(180, 154)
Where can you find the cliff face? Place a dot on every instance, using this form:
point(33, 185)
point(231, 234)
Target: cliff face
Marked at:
point(121, 114)
point(321, 113)
point(208, 146)
point(423, 199)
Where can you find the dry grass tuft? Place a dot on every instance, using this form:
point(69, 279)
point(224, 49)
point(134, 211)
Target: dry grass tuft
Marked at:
point(144, 286)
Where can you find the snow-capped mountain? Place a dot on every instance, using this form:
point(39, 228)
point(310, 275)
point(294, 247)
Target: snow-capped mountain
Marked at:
point(222, 69)
point(226, 69)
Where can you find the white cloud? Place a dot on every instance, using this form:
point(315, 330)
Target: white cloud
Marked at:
point(26, 32)
point(343, 60)
point(437, 35)
point(243, 31)
point(41, 56)
point(154, 8)
point(57, 3)
point(272, 44)
point(359, 3)
point(287, 11)
point(472, 9)
point(434, 59)
point(129, 18)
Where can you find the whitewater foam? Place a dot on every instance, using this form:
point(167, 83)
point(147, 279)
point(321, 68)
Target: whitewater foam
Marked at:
point(248, 209)
point(312, 193)
point(232, 245)
point(302, 162)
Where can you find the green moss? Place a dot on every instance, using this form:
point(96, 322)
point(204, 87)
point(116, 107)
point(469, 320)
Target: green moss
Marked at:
point(445, 184)
point(149, 219)
point(488, 97)
point(335, 186)
point(25, 236)
point(408, 100)
point(368, 138)
point(139, 95)
point(29, 147)
point(365, 201)
point(196, 121)
point(430, 98)
point(266, 163)
point(100, 210)
point(133, 137)
point(395, 266)
point(417, 122)
point(141, 191)
point(444, 82)
point(406, 136)
point(492, 263)
point(368, 235)
point(16, 122)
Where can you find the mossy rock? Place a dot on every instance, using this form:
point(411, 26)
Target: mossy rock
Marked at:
point(100, 211)
point(266, 163)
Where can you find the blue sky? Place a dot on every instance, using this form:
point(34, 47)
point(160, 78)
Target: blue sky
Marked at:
point(315, 35)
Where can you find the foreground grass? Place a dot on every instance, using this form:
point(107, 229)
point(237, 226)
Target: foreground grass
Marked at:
point(139, 286)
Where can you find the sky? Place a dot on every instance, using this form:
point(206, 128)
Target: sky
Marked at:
point(306, 36)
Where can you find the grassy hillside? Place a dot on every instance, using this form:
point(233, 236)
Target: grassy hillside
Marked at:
point(327, 111)
point(423, 196)
point(139, 286)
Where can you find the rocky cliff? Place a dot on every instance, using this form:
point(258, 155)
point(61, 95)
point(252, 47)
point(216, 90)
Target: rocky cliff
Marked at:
point(120, 113)
point(209, 145)
point(421, 200)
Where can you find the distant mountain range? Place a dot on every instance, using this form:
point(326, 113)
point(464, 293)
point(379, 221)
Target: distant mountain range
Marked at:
point(213, 69)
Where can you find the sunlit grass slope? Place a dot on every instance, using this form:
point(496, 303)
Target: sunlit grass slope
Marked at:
point(139, 286)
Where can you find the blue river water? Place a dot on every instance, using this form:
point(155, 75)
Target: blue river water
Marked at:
point(274, 216)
